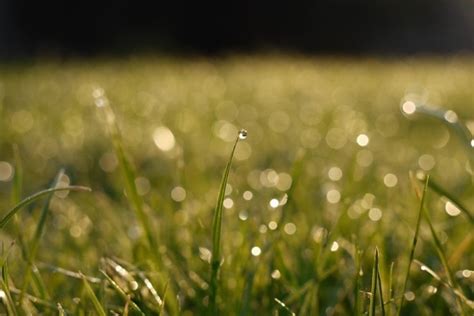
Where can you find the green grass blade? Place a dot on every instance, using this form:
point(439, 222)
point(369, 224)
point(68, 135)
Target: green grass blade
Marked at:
point(436, 187)
point(380, 288)
point(37, 237)
point(95, 301)
point(390, 290)
point(456, 292)
point(373, 287)
point(17, 177)
point(4, 221)
point(217, 228)
point(442, 256)
point(415, 240)
point(128, 172)
point(162, 307)
point(11, 306)
point(284, 306)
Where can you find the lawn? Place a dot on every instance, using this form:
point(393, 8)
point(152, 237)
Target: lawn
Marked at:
point(320, 214)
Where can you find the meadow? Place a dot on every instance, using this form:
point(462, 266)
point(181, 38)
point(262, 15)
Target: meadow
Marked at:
point(272, 185)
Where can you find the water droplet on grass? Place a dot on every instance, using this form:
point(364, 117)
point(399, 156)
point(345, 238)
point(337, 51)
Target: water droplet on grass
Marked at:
point(243, 134)
point(409, 107)
point(451, 116)
point(256, 251)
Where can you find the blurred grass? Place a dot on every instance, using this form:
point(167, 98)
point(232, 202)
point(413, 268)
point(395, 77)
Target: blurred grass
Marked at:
point(308, 253)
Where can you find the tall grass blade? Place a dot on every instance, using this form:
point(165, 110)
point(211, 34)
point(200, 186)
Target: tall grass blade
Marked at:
point(31, 256)
point(390, 290)
point(442, 256)
point(380, 288)
point(413, 246)
point(128, 172)
point(373, 287)
point(95, 301)
point(217, 229)
point(4, 221)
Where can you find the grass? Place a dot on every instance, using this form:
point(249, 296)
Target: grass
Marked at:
point(315, 211)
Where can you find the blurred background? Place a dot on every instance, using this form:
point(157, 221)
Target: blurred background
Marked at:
point(91, 28)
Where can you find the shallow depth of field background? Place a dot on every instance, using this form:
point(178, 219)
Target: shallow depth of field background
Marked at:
point(320, 182)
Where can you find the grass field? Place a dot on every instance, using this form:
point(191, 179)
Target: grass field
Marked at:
point(321, 212)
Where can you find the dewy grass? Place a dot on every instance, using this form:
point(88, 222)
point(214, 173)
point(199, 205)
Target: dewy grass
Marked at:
point(200, 103)
point(436, 187)
point(413, 246)
point(4, 221)
point(442, 256)
point(217, 229)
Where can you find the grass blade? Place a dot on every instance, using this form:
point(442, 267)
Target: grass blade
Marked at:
point(415, 240)
point(436, 187)
point(11, 306)
point(442, 256)
point(217, 228)
point(379, 279)
point(373, 287)
point(31, 256)
point(390, 290)
point(95, 301)
point(4, 221)
point(456, 292)
point(122, 292)
point(284, 306)
point(128, 172)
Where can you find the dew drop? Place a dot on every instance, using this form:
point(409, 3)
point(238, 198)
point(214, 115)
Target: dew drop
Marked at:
point(451, 116)
point(243, 134)
point(276, 274)
point(410, 296)
point(256, 251)
point(362, 140)
point(409, 107)
point(451, 209)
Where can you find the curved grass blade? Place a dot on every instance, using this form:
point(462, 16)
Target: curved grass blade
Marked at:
point(451, 119)
point(4, 221)
point(436, 187)
point(415, 240)
point(31, 256)
point(456, 292)
point(217, 229)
